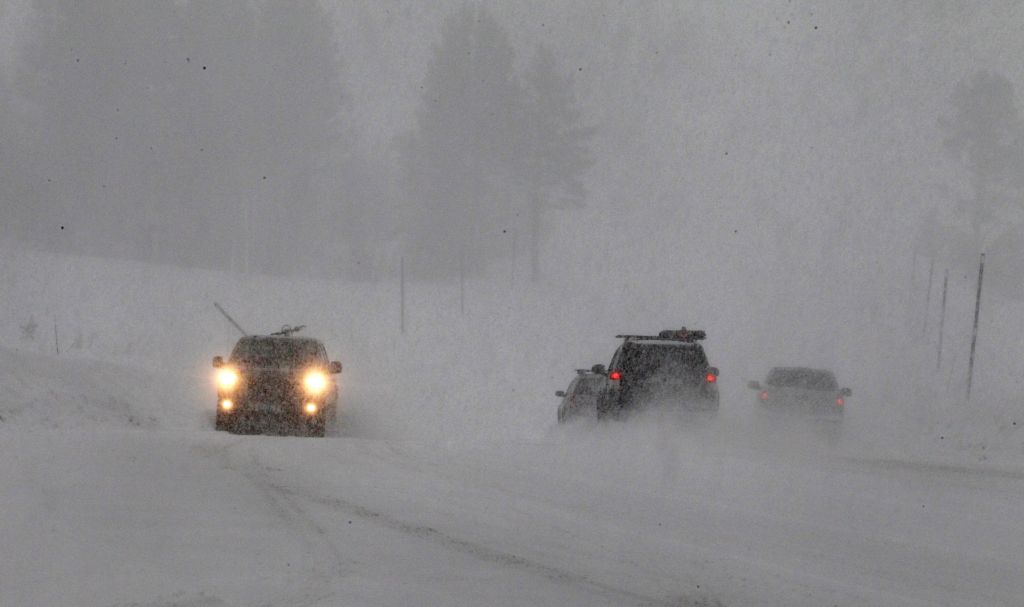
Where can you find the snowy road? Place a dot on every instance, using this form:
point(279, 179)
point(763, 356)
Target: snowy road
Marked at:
point(116, 494)
point(600, 516)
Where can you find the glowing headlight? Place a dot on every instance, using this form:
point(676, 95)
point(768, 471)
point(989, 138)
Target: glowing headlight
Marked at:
point(315, 382)
point(227, 379)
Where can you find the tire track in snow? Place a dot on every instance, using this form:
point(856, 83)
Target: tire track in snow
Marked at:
point(485, 553)
point(285, 502)
point(945, 469)
point(328, 560)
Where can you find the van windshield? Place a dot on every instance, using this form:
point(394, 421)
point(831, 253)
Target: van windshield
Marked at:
point(812, 379)
point(276, 352)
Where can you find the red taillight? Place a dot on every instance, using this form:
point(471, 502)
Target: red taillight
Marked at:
point(711, 378)
point(840, 401)
point(615, 375)
point(763, 395)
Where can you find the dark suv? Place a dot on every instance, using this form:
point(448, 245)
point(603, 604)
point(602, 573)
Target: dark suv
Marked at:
point(276, 382)
point(669, 368)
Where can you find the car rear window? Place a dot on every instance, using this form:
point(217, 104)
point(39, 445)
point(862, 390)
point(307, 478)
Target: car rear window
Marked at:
point(659, 359)
point(802, 378)
point(589, 385)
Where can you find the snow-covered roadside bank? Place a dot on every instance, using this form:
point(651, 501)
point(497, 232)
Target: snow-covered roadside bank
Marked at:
point(122, 517)
point(490, 373)
point(42, 391)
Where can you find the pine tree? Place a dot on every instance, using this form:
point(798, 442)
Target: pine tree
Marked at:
point(557, 154)
point(459, 162)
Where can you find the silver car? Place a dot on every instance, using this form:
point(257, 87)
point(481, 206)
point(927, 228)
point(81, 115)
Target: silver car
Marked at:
point(801, 391)
point(581, 396)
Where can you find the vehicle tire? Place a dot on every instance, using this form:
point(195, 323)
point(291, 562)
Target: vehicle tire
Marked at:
point(610, 412)
point(710, 411)
point(330, 420)
point(222, 424)
point(833, 433)
point(622, 407)
point(315, 428)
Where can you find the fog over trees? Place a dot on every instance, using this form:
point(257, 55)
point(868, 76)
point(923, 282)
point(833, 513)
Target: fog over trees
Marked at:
point(491, 149)
point(458, 162)
point(187, 133)
point(985, 136)
point(329, 138)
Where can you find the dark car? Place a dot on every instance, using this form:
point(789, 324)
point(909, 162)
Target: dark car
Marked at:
point(276, 383)
point(580, 398)
point(670, 368)
point(801, 391)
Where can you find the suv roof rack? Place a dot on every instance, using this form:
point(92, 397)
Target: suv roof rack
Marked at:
point(287, 330)
point(682, 334)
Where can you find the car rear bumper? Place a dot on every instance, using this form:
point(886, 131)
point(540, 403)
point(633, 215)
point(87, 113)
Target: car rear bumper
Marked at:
point(684, 400)
point(827, 410)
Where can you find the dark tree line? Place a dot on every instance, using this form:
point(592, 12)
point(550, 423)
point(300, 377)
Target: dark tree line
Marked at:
point(219, 134)
point(194, 133)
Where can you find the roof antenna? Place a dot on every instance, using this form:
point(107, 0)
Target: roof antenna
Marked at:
point(288, 330)
point(230, 320)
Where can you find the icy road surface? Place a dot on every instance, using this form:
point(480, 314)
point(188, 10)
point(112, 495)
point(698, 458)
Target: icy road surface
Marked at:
point(108, 507)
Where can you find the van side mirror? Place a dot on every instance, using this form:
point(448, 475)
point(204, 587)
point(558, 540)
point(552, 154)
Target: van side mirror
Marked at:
point(218, 362)
point(560, 394)
point(754, 385)
point(335, 367)
point(597, 369)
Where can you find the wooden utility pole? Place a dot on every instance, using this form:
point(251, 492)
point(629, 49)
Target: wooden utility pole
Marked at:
point(928, 297)
point(401, 294)
point(974, 332)
point(942, 317)
point(462, 282)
